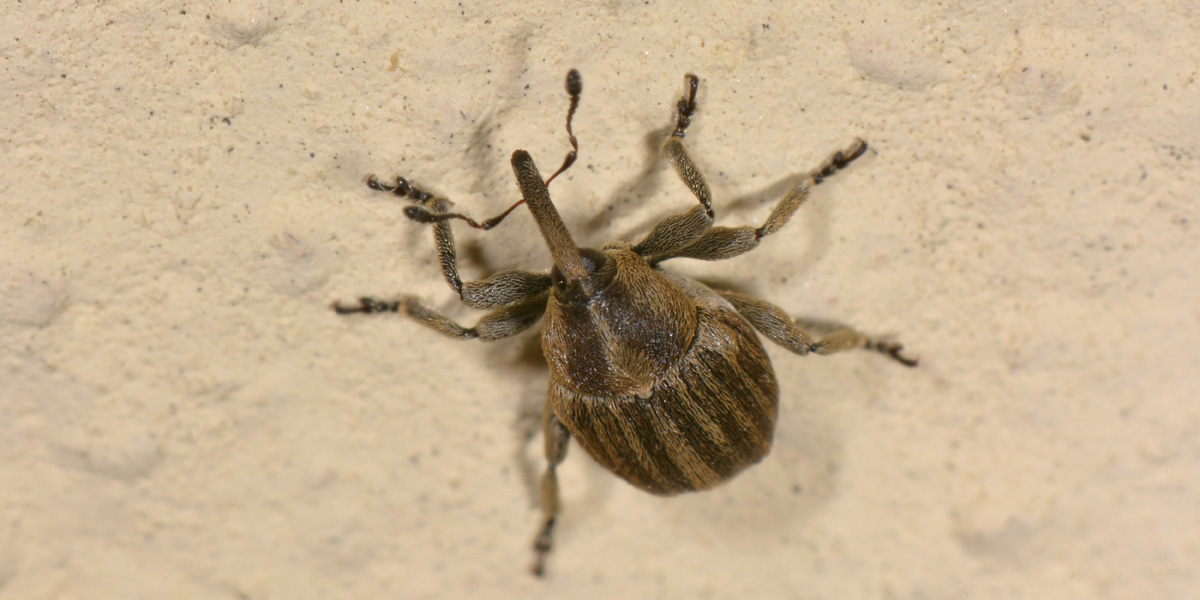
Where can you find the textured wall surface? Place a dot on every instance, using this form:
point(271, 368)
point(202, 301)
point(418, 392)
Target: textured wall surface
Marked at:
point(182, 197)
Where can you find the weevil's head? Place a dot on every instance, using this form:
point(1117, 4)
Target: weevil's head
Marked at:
point(598, 273)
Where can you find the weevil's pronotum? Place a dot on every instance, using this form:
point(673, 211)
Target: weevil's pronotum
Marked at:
point(659, 377)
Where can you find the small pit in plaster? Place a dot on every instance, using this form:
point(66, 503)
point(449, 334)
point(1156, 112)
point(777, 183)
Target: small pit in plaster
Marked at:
point(27, 298)
point(885, 58)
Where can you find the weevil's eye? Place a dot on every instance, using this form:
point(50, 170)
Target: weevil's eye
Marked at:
point(557, 280)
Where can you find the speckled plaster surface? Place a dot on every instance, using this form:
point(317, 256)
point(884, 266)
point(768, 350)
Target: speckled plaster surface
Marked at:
point(181, 199)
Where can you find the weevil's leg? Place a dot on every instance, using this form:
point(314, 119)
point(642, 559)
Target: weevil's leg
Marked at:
point(556, 435)
point(680, 230)
point(443, 237)
point(719, 243)
point(782, 329)
point(500, 323)
point(502, 289)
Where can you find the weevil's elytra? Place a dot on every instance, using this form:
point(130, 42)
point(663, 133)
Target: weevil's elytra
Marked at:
point(696, 405)
point(658, 377)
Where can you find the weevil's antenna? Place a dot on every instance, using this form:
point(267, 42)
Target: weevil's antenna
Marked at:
point(421, 214)
point(574, 89)
point(686, 106)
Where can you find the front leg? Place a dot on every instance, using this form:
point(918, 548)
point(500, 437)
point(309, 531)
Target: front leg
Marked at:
point(502, 289)
point(500, 323)
point(443, 237)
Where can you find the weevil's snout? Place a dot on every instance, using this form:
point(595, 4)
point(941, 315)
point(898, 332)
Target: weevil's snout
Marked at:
point(597, 278)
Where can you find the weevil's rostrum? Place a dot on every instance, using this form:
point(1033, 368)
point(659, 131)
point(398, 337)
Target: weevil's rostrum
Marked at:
point(658, 377)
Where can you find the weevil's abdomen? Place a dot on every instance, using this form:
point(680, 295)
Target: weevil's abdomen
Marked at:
point(710, 417)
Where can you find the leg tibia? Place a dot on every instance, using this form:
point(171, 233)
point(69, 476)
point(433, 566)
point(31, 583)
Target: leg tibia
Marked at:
point(720, 243)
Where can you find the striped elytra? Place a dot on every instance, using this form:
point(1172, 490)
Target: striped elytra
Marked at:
point(667, 426)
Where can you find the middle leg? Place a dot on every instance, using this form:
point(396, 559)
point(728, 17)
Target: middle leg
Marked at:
point(782, 329)
point(680, 230)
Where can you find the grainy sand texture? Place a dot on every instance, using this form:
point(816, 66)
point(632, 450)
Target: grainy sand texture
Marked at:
point(182, 198)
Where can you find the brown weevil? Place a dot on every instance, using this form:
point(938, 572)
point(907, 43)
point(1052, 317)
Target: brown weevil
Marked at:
point(659, 377)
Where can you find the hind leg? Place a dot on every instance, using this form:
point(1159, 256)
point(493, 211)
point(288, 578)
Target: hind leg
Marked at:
point(556, 438)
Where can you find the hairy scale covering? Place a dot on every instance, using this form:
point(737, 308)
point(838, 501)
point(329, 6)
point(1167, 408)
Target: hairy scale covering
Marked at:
point(709, 417)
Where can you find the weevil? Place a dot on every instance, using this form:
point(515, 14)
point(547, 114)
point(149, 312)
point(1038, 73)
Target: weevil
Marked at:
point(660, 378)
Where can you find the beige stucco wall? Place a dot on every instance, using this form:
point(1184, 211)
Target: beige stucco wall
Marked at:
point(182, 197)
